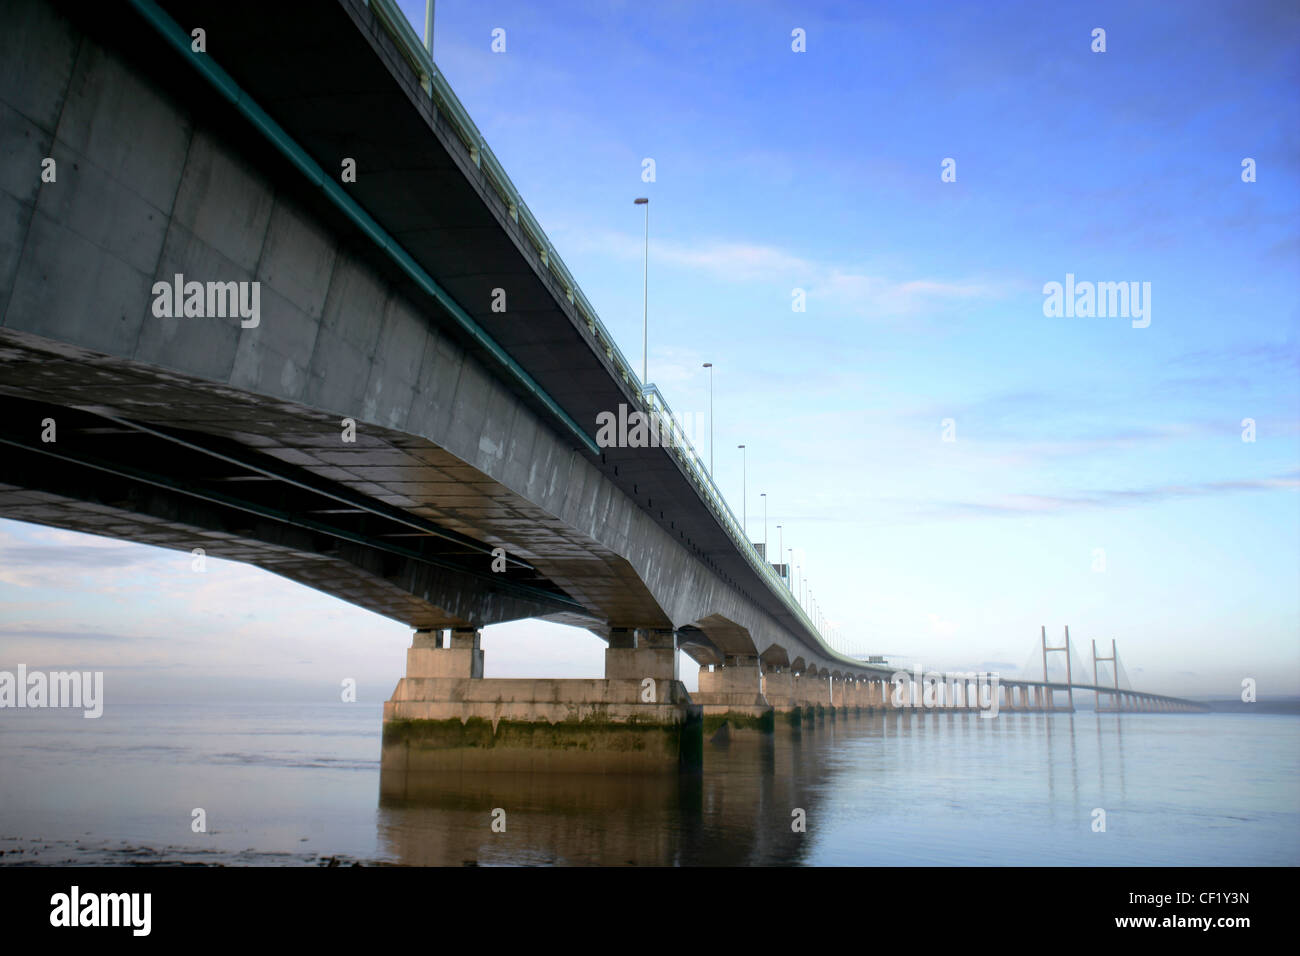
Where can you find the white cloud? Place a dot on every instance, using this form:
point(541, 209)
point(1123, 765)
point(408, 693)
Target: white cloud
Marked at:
point(849, 289)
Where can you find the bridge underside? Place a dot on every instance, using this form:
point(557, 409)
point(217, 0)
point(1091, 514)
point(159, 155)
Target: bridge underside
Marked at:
point(389, 521)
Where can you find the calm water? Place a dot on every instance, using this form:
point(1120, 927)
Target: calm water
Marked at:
point(293, 784)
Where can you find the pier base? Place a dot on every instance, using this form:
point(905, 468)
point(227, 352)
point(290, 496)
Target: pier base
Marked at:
point(444, 716)
point(778, 691)
point(731, 697)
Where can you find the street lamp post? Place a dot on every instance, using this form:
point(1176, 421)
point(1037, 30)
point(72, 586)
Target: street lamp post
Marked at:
point(744, 499)
point(766, 556)
point(789, 563)
point(645, 295)
point(709, 366)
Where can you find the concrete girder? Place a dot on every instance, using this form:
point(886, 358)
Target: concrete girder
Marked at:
point(697, 645)
point(728, 637)
point(776, 656)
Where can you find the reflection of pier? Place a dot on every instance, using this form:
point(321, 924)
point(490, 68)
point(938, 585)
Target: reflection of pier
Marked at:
point(738, 812)
point(741, 809)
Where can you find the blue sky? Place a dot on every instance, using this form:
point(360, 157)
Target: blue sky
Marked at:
point(820, 170)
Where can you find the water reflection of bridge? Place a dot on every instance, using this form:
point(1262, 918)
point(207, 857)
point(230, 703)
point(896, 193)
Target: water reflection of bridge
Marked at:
point(846, 774)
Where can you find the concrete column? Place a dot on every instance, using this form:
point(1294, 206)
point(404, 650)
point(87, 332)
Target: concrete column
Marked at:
point(653, 654)
point(838, 690)
point(815, 694)
point(778, 688)
point(731, 695)
point(426, 657)
point(736, 675)
point(779, 691)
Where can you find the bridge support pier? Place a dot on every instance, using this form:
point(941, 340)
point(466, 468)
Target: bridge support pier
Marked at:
point(444, 716)
point(839, 704)
point(810, 694)
point(731, 696)
point(819, 696)
point(779, 691)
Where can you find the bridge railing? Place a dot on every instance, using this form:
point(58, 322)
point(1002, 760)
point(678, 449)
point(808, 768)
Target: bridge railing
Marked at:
point(450, 107)
point(440, 91)
point(679, 445)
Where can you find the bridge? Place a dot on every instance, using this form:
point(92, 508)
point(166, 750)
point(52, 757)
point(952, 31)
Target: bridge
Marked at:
point(262, 307)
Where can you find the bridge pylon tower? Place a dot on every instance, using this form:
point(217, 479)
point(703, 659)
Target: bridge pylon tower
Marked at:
point(1048, 692)
point(1114, 666)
